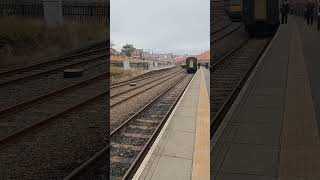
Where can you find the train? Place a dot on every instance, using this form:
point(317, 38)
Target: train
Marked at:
point(233, 8)
point(191, 64)
point(260, 17)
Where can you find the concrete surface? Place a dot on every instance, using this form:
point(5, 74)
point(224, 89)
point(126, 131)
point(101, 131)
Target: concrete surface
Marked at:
point(271, 131)
point(177, 148)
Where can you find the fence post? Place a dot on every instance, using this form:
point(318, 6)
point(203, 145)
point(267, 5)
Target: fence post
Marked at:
point(52, 10)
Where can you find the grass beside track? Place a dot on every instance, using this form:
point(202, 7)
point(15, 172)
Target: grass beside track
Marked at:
point(120, 74)
point(26, 40)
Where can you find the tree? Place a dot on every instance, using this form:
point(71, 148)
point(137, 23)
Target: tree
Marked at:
point(127, 49)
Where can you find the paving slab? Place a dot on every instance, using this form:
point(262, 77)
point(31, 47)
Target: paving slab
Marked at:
point(172, 168)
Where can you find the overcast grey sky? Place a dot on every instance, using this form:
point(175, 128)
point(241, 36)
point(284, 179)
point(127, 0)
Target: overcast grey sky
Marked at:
point(178, 26)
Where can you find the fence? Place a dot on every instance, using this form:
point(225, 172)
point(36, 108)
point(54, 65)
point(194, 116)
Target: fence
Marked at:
point(93, 11)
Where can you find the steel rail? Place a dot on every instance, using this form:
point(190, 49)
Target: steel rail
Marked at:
point(15, 108)
point(230, 53)
point(62, 57)
point(50, 118)
point(52, 70)
point(155, 80)
point(135, 165)
point(138, 93)
point(77, 172)
point(218, 118)
point(138, 78)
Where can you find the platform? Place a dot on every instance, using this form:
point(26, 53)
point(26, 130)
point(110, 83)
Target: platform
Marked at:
point(182, 148)
point(271, 131)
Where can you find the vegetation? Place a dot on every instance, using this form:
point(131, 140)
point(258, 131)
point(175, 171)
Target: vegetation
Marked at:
point(119, 74)
point(26, 40)
point(127, 49)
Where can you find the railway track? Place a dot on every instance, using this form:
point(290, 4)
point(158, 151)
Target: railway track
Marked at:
point(225, 31)
point(229, 75)
point(228, 43)
point(15, 93)
point(63, 142)
point(146, 84)
point(225, 35)
point(220, 26)
point(131, 140)
point(26, 114)
point(139, 78)
point(29, 121)
point(129, 103)
point(216, 20)
point(41, 69)
point(29, 114)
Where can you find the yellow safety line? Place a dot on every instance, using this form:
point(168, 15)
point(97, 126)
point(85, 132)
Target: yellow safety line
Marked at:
point(201, 155)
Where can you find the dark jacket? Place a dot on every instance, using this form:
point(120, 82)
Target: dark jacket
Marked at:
point(310, 8)
point(285, 8)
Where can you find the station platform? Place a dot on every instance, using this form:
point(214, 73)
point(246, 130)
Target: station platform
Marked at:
point(271, 130)
point(182, 148)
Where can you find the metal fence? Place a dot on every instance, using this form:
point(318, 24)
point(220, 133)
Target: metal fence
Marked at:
point(90, 11)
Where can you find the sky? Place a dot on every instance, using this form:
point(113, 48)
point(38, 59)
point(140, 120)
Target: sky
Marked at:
point(161, 26)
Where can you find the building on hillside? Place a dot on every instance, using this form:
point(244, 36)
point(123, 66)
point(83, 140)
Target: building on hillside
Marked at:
point(180, 58)
point(203, 57)
point(137, 53)
point(147, 55)
point(155, 57)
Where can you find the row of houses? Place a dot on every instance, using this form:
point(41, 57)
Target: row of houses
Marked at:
point(146, 55)
point(140, 54)
point(202, 57)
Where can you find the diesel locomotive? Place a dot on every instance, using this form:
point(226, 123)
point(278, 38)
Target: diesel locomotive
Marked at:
point(191, 64)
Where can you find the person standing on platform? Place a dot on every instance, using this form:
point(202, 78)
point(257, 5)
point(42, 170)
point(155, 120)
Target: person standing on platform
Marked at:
point(284, 12)
point(305, 10)
point(310, 8)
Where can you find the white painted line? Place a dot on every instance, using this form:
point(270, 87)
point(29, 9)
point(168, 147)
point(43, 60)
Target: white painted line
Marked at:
point(155, 144)
point(235, 104)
